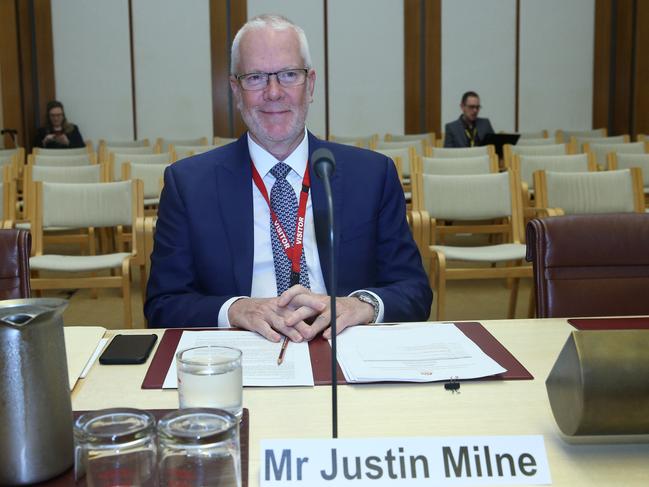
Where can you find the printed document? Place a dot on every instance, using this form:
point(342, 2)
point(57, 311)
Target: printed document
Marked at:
point(413, 352)
point(259, 360)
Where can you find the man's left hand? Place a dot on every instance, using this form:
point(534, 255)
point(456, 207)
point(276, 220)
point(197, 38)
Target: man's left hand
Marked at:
point(349, 311)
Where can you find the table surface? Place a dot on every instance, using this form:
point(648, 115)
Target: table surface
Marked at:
point(405, 410)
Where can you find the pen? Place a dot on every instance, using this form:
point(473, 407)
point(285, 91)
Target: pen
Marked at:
point(282, 351)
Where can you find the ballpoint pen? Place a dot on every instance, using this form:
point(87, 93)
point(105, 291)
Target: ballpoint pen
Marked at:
point(282, 351)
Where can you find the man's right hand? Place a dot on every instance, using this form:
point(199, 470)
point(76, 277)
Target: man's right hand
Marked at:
point(268, 318)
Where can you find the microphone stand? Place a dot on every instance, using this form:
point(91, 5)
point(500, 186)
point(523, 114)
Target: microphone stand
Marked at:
point(332, 294)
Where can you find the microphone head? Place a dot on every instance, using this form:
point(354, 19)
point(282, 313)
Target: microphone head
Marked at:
point(324, 162)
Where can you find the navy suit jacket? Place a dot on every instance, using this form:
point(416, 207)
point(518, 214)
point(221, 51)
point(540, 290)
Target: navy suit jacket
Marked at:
point(455, 136)
point(203, 251)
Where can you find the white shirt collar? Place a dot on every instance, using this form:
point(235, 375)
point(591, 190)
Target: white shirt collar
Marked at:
point(264, 160)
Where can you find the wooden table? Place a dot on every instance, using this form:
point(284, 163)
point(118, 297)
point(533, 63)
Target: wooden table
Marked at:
point(481, 408)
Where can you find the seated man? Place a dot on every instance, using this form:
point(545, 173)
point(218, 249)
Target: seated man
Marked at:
point(468, 130)
point(224, 252)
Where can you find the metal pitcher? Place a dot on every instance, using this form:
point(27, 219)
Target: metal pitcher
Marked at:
point(36, 441)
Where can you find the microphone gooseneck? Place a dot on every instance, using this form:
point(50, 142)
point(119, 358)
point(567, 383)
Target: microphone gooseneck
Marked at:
point(324, 165)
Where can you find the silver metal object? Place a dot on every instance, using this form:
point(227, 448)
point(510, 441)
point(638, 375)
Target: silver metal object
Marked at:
point(35, 406)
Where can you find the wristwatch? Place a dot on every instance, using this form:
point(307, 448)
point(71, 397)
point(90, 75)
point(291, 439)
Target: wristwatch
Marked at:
point(369, 299)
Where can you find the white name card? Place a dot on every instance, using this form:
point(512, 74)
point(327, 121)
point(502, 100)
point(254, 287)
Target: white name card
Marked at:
point(471, 460)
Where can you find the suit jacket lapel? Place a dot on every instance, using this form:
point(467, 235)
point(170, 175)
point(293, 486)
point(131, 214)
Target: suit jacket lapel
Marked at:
point(234, 183)
point(319, 202)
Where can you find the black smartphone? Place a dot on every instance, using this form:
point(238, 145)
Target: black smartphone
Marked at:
point(128, 349)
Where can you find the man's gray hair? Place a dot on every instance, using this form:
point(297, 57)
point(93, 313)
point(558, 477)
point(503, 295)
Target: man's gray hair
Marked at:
point(275, 22)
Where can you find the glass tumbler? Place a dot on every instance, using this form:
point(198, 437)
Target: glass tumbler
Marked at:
point(115, 447)
point(210, 377)
point(199, 447)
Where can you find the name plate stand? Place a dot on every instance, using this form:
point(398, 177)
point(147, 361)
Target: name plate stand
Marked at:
point(474, 460)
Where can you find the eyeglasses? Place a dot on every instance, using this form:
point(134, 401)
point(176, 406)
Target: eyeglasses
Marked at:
point(473, 107)
point(258, 81)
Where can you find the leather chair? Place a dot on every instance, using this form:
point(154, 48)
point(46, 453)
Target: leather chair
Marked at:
point(15, 247)
point(590, 265)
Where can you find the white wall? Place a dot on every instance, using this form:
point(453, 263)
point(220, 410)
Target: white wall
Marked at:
point(309, 15)
point(478, 54)
point(92, 66)
point(556, 64)
point(366, 89)
point(172, 74)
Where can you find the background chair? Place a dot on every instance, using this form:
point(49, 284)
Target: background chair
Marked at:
point(627, 161)
point(590, 265)
point(365, 141)
point(15, 247)
point(219, 141)
point(539, 134)
point(162, 144)
point(551, 149)
point(117, 160)
point(62, 160)
point(100, 205)
point(461, 151)
point(457, 165)
point(487, 204)
point(404, 158)
point(590, 192)
point(183, 151)
point(602, 150)
point(63, 152)
point(525, 167)
point(564, 136)
point(427, 139)
point(418, 147)
point(580, 142)
point(7, 199)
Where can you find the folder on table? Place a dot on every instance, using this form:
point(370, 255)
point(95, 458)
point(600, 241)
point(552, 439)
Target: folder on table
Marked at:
point(321, 357)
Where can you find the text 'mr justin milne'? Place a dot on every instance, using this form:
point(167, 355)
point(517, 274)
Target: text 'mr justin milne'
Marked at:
point(464, 462)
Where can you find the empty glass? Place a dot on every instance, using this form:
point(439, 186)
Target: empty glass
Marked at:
point(210, 377)
point(115, 447)
point(199, 447)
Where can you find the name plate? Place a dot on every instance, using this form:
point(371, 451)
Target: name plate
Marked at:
point(471, 460)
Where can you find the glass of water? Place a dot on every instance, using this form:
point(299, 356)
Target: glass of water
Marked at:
point(210, 377)
point(115, 447)
point(199, 447)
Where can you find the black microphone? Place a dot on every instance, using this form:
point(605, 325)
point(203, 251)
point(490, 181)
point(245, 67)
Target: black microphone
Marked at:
point(324, 165)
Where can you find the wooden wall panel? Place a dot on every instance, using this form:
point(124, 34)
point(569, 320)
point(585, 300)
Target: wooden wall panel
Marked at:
point(226, 17)
point(641, 81)
point(27, 65)
point(621, 70)
point(422, 65)
point(622, 98)
point(10, 67)
point(601, 68)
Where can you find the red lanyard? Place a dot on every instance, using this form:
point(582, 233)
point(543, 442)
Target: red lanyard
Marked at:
point(295, 251)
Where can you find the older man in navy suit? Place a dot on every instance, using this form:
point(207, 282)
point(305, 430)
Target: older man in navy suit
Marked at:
point(468, 130)
point(241, 238)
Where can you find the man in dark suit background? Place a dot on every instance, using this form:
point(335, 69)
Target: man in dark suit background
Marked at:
point(468, 130)
point(222, 257)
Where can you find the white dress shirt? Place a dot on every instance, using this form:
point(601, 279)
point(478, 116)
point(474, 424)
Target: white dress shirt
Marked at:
point(264, 284)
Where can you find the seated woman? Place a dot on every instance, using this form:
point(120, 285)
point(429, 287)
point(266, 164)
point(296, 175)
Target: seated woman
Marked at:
point(58, 133)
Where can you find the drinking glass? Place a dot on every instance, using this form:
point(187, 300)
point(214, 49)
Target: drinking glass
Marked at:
point(115, 447)
point(210, 376)
point(199, 447)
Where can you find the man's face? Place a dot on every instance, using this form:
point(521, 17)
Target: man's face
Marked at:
point(471, 108)
point(275, 114)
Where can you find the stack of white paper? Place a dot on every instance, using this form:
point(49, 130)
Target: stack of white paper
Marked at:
point(415, 352)
point(259, 358)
